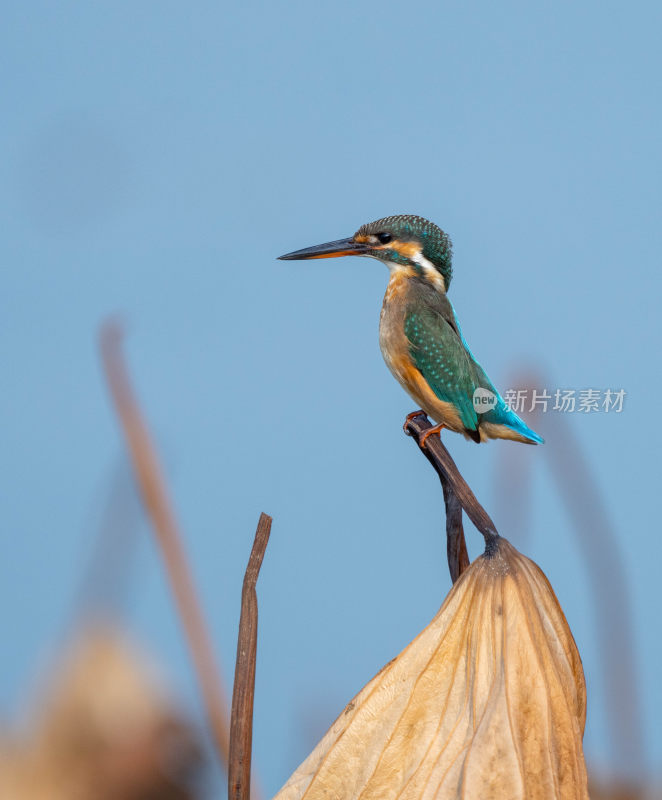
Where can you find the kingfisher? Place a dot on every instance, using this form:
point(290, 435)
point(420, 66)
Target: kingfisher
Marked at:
point(419, 335)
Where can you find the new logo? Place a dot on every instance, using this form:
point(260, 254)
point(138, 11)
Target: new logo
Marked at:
point(484, 400)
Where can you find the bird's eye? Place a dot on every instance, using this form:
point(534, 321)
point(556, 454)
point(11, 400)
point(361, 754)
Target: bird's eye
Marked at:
point(384, 238)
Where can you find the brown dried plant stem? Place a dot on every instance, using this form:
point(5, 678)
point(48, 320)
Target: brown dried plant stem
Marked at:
point(241, 725)
point(155, 498)
point(456, 546)
point(457, 496)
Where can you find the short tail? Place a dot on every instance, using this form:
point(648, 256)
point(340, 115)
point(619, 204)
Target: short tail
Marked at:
point(519, 426)
point(503, 423)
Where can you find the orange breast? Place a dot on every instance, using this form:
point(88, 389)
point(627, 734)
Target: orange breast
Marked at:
point(411, 379)
point(395, 349)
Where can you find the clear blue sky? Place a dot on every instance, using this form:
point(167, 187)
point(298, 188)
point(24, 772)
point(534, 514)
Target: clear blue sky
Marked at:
point(157, 157)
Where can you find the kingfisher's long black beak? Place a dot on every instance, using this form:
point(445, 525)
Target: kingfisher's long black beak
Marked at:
point(341, 247)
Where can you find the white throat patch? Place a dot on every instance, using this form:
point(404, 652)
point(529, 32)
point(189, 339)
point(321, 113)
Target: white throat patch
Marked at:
point(431, 272)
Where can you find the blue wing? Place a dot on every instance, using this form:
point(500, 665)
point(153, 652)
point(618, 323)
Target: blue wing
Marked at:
point(441, 354)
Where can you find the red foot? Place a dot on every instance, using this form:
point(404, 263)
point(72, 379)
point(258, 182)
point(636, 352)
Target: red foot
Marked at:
point(409, 418)
point(428, 433)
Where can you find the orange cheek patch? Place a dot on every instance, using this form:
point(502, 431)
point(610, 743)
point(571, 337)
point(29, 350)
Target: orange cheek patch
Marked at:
point(408, 249)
